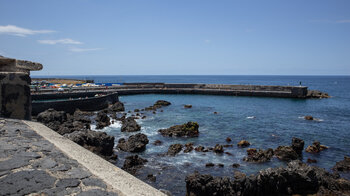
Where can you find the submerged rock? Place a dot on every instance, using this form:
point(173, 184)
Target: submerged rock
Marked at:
point(295, 178)
point(243, 143)
point(209, 165)
point(135, 143)
point(343, 166)
point(157, 143)
point(228, 139)
point(162, 103)
point(95, 141)
point(130, 125)
point(298, 145)
point(316, 147)
point(133, 163)
point(174, 149)
point(258, 156)
point(189, 129)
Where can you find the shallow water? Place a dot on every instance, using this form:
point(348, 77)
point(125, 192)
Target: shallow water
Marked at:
point(264, 122)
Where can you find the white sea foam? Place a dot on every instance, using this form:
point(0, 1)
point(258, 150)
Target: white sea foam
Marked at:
point(251, 117)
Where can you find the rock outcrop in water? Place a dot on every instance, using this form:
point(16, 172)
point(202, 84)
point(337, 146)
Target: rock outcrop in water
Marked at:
point(243, 144)
point(343, 166)
point(295, 178)
point(293, 152)
point(157, 105)
point(189, 129)
point(135, 143)
point(97, 142)
point(117, 107)
point(130, 125)
point(133, 163)
point(174, 149)
point(316, 147)
point(316, 94)
point(258, 156)
point(52, 118)
point(102, 120)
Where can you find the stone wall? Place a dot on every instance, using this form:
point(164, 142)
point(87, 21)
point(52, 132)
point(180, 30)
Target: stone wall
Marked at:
point(15, 100)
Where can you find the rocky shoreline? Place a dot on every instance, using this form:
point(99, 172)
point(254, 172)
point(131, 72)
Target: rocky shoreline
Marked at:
point(290, 179)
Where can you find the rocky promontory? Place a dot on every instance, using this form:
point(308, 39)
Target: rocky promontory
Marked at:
point(189, 129)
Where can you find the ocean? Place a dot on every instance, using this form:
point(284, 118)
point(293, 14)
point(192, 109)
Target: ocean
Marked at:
point(276, 121)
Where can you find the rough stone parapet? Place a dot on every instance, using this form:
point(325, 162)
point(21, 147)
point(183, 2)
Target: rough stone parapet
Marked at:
point(14, 65)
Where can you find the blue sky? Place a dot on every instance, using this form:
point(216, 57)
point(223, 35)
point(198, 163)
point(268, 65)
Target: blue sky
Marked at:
point(185, 37)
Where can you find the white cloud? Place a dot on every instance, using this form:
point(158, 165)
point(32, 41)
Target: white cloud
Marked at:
point(59, 41)
point(207, 41)
point(84, 49)
point(343, 21)
point(19, 31)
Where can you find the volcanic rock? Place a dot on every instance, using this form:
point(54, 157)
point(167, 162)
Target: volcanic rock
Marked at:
point(295, 178)
point(174, 149)
point(188, 106)
point(218, 148)
point(317, 94)
point(258, 156)
point(243, 143)
point(135, 143)
point(157, 143)
point(298, 145)
point(228, 139)
point(130, 125)
point(95, 141)
point(133, 163)
point(316, 147)
point(308, 118)
point(209, 165)
point(286, 153)
point(118, 107)
point(343, 166)
point(102, 120)
point(189, 129)
point(189, 147)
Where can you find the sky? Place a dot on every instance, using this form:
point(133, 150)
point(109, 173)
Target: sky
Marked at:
point(178, 37)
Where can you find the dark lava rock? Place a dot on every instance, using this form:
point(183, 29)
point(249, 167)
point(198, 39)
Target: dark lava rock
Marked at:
point(209, 165)
point(157, 143)
point(311, 160)
point(258, 156)
point(130, 125)
point(51, 115)
point(189, 129)
point(218, 148)
point(118, 107)
point(151, 177)
point(136, 110)
point(162, 103)
point(243, 143)
point(239, 175)
point(174, 149)
point(133, 163)
point(295, 178)
point(308, 118)
point(286, 153)
point(228, 139)
point(316, 147)
point(135, 143)
point(187, 106)
point(228, 153)
point(221, 165)
point(102, 120)
point(343, 166)
point(189, 147)
point(236, 165)
point(298, 145)
point(228, 145)
point(82, 116)
point(199, 149)
point(97, 142)
point(316, 94)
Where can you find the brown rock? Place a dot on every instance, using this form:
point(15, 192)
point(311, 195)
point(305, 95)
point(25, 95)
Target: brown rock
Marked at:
point(243, 143)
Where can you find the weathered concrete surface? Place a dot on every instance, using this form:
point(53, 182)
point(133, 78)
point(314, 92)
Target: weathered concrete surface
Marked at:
point(15, 100)
point(119, 180)
point(14, 65)
point(29, 164)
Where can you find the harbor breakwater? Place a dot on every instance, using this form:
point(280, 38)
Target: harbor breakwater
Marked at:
point(204, 89)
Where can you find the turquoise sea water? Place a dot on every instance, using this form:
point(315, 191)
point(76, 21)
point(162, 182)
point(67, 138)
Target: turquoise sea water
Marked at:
point(276, 121)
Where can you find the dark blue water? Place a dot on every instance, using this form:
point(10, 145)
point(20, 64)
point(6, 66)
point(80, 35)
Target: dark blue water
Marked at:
point(277, 121)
